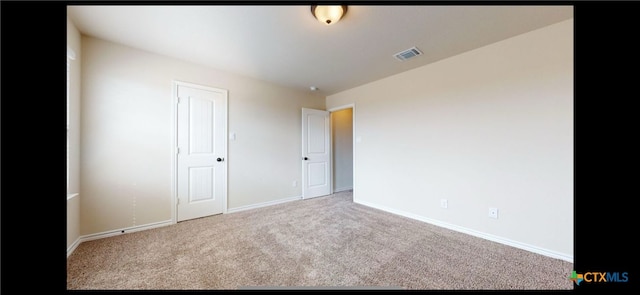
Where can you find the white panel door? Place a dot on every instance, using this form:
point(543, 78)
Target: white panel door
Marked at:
point(201, 166)
point(316, 153)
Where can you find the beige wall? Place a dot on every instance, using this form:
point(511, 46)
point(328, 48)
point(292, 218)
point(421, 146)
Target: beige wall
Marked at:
point(342, 141)
point(126, 135)
point(73, 204)
point(492, 127)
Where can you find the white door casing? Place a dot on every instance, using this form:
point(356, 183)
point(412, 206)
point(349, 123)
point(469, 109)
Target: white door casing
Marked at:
point(316, 153)
point(201, 150)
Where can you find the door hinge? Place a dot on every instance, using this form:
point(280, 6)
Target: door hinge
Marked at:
point(177, 150)
point(178, 201)
point(178, 101)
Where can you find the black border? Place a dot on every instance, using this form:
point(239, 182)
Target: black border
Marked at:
point(33, 131)
point(32, 136)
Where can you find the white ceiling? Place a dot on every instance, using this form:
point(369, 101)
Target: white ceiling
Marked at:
point(287, 46)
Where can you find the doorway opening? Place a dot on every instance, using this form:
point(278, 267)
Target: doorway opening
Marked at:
point(343, 148)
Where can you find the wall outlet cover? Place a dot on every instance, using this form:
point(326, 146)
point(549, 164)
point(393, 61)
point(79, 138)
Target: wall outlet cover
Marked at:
point(493, 213)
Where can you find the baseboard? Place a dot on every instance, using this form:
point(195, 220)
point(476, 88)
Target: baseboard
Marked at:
point(73, 246)
point(342, 189)
point(263, 204)
point(501, 240)
point(121, 231)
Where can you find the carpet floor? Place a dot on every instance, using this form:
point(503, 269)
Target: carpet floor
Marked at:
point(324, 242)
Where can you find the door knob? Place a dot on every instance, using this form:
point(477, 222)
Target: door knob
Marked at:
point(220, 159)
point(305, 158)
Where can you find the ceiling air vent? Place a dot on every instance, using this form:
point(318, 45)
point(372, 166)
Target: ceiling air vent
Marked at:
point(407, 54)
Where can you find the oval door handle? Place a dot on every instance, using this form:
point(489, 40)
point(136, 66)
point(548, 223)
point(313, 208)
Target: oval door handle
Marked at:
point(305, 158)
point(220, 159)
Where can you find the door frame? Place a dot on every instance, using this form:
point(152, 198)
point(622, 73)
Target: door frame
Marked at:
point(351, 106)
point(174, 145)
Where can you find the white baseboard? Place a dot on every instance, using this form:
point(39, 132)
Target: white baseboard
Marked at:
point(115, 232)
point(342, 189)
point(264, 204)
point(73, 246)
point(501, 240)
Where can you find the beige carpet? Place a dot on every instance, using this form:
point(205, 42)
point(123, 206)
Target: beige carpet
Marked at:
point(326, 242)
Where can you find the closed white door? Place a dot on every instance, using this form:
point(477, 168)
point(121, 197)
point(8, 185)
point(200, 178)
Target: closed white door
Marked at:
point(316, 153)
point(201, 151)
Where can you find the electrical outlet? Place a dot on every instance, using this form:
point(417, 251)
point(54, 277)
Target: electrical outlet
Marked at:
point(295, 183)
point(493, 213)
point(443, 203)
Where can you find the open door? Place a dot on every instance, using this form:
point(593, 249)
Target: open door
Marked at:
point(316, 153)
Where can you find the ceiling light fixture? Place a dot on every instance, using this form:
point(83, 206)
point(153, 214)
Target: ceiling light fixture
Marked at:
point(328, 14)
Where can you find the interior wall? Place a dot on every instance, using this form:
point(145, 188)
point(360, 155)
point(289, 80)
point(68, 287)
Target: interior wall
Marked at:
point(492, 127)
point(342, 149)
point(73, 204)
point(127, 138)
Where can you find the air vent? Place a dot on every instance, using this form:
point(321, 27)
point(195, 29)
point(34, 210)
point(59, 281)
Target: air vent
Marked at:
point(407, 54)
